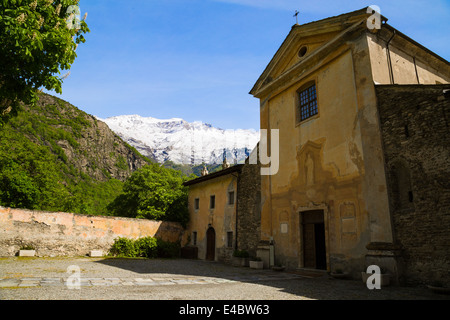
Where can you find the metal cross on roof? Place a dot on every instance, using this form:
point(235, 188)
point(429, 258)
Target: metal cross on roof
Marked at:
point(296, 16)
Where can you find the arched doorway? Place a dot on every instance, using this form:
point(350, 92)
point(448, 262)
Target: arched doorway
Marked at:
point(210, 244)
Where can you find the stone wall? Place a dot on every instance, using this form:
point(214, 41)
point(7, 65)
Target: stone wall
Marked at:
point(68, 234)
point(249, 208)
point(415, 129)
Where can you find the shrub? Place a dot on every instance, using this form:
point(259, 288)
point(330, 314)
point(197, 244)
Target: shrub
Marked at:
point(147, 247)
point(123, 247)
point(168, 249)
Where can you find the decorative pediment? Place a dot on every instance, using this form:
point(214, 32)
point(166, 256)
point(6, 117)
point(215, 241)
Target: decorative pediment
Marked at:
point(300, 49)
point(305, 41)
point(296, 48)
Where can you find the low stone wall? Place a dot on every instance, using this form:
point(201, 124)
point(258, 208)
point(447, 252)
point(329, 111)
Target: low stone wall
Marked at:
point(66, 234)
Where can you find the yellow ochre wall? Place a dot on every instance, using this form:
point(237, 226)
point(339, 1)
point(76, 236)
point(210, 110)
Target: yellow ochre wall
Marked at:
point(340, 147)
point(333, 142)
point(222, 218)
point(405, 58)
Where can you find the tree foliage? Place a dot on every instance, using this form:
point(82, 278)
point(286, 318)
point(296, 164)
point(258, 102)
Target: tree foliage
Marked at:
point(38, 40)
point(153, 192)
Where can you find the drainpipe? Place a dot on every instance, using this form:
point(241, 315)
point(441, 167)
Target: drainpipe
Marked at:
point(415, 68)
point(388, 52)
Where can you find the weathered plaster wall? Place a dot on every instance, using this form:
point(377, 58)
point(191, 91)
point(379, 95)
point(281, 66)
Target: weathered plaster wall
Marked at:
point(328, 147)
point(406, 58)
point(415, 128)
point(340, 148)
point(222, 218)
point(334, 162)
point(68, 234)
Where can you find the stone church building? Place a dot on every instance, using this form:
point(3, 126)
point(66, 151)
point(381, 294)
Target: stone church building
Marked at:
point(363, 117)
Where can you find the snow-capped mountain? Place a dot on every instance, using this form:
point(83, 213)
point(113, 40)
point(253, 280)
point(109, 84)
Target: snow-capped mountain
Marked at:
point(183, 142)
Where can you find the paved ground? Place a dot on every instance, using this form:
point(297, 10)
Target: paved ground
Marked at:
point(160, 279)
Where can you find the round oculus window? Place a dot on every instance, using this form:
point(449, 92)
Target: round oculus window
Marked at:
point(302, 52)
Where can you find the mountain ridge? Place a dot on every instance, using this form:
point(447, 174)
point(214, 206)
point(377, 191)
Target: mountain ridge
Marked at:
point(183, 142)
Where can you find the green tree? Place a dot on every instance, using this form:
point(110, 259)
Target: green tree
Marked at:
point(38, 39)
point(16, 187)
point(29, 174)
point(153, 192)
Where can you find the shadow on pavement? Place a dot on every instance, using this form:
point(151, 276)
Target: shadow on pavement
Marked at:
point(313, 287)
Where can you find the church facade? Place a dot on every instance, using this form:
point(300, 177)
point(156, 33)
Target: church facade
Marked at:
point(330, 205)
point(362, 130)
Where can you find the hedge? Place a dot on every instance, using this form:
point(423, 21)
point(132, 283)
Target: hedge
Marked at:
point(147, 247)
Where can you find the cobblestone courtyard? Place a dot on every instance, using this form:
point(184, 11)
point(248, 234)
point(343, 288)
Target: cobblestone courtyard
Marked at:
point(159, 279)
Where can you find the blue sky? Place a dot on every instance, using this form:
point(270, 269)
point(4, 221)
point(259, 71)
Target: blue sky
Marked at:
point(198, 59)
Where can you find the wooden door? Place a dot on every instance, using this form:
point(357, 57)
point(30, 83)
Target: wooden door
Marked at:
point(210, 244)
point(314, 249)
point(309, 249)
point(319, 243)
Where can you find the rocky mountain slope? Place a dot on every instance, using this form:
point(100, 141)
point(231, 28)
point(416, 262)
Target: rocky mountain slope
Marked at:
point(56, 157)
point(84, 142)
